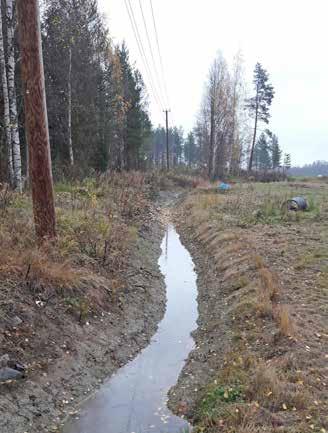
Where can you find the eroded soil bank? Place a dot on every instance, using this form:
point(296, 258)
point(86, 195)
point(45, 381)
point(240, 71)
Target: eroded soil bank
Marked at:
point(77, 358)
point(260, 362)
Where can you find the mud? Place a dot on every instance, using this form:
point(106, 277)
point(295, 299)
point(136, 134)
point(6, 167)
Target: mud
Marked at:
point(88, 354)
point(134, 399)
point(236, 335)
point(212, 336)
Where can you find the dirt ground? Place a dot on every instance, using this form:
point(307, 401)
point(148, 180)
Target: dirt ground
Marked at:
point(66, 360)
point(261, 356)
point(260, 361)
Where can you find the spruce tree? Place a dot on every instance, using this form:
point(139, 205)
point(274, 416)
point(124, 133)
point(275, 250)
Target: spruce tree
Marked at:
point(263, 153)
point(287, 161)
point(276, 152)
point(190, 149)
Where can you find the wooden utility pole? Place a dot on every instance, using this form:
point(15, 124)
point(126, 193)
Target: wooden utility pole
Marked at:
point(36, 121)
point(167, 140)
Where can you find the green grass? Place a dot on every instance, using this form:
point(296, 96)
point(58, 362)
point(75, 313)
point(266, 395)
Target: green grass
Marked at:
point(251, 204)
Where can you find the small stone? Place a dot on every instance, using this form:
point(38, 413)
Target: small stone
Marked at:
point(15, 321)
point(4, 359)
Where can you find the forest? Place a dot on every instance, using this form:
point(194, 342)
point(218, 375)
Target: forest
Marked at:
point(98, 106)
point(317, 168)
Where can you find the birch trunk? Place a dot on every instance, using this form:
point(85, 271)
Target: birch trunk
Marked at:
point(69, 119)
point(16, 151)
point(6, 103)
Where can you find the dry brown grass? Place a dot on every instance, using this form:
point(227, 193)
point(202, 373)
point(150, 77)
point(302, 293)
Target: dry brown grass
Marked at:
point(264, 307)
point(258, 261)
point(97, 224)
point(234, 248)
point(209, 201)
point(286, 324)
point(274, 392)
point(281, 394)
point(269, 283)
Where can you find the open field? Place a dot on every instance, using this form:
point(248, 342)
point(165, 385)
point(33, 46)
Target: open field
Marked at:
point(260, 362)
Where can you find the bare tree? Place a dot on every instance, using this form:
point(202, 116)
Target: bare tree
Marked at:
point(6, 103)
point(36, 118)
point(15, 143)
point(69, 108)
point(212, 96)
point(238, 88)
point(219, 100)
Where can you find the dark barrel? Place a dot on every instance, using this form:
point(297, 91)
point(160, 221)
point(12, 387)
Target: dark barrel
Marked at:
point(297, 203)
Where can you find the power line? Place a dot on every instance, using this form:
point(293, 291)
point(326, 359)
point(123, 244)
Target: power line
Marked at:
point(152, 52)
point(159, 51)
point(142, 52)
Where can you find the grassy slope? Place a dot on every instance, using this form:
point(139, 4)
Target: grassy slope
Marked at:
point(272, 268)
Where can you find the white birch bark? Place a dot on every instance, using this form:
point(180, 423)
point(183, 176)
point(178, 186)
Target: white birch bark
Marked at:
point(6, 103)
point(16, 151)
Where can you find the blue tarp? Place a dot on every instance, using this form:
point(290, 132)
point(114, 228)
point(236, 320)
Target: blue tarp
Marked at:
point(224, 186)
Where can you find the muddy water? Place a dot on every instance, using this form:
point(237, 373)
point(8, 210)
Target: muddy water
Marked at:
point(134, 399)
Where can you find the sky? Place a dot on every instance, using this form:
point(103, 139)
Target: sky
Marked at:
point(288, 37)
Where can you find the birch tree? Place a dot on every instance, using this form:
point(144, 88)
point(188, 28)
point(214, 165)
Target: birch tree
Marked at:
point(6, 102)
point(212, 97)
point(235, 147)
point(15, 143)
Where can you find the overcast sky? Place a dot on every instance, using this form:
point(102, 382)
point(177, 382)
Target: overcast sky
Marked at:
point(289, 38)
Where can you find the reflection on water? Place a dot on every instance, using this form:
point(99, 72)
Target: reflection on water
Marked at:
point(134, 399)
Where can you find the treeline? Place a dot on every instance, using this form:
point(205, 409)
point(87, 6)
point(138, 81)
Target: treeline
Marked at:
point(227, 138)
point(96, 99)
point(98, 109)
point(317, 168)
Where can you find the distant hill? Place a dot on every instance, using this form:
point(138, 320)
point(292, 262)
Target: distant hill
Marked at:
point(315, 169)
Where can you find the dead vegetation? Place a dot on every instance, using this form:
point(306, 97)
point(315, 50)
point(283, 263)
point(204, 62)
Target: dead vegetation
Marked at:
point(98, 221)
point(83, 274)
point(261, 256)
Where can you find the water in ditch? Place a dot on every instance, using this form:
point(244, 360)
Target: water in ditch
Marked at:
point(134, 399)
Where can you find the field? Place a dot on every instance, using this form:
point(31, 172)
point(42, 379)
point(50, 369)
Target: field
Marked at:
point(260, 362)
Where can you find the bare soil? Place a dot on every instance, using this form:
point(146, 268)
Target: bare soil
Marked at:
point(261, 356)
point(68, 360)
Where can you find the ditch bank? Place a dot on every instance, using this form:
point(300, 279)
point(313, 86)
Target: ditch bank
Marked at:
point(242, 375)
point(77, 358)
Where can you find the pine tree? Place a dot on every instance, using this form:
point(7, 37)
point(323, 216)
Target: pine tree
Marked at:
point(260, 103)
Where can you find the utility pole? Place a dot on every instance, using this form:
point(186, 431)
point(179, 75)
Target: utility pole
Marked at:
point(36, 120)
point(167, 140)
